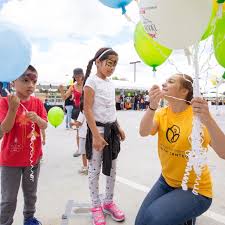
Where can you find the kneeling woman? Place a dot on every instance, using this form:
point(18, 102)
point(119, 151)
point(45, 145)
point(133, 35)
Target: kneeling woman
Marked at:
point(167, 203)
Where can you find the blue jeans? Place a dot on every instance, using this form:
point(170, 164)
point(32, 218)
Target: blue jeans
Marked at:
point(165, 205)
point(69, 109)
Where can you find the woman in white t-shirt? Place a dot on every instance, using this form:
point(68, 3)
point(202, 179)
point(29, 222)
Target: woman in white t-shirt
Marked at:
point(103, 134)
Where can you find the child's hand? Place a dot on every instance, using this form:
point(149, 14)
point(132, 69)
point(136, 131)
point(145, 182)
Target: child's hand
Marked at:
point(99, 143)
point(122, 134)
point(43, 141)
point(75, 123)
point(32, 116)
point(13, 102)
point(155, 94)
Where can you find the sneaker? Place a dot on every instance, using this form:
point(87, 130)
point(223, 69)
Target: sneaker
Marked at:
point(76, 154)
point(114, 212)
point(83, 170)
point(32, 221)
point(98, 216)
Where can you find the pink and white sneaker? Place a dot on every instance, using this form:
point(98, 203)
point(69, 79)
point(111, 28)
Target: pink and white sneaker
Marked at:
point(98, 217)
point(114, 212)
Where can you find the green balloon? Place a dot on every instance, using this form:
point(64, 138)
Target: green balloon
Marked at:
point(209, 29)
point(151, 53)
point(219, 41)
point(55, 116)
point(223, 75)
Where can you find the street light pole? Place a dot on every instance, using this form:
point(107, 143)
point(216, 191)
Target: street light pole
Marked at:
point(134, 63)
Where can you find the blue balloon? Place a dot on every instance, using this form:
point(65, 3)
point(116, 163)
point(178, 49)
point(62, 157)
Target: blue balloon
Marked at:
point(2, 2)
point(116, 4)
point(15, 52)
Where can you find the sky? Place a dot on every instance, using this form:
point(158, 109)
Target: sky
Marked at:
point(67, 33)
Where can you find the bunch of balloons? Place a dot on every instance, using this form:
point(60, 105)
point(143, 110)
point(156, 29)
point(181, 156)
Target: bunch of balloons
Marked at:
point(55, 116)
point(15, 52)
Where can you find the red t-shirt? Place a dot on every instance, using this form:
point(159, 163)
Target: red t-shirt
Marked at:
point(16, 145)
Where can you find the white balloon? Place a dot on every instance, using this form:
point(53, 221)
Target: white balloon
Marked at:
point(175, 24)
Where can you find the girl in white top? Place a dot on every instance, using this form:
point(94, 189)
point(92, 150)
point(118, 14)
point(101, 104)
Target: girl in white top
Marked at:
point(100, 108)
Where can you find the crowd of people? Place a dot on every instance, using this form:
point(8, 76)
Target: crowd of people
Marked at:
point(92, 97)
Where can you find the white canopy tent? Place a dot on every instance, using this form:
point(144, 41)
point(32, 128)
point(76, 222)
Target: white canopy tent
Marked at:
point(128, 85)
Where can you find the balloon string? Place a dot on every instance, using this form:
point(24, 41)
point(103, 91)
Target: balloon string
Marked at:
point(220, 11)
point(188, 55)
point(128, 18)
point(180, 99)
point(196, 157)
point(33, 138)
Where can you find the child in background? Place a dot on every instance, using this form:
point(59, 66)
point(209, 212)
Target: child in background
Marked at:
point(103, 134)
point(82, 126)
point(19, 115)
point(76, 91)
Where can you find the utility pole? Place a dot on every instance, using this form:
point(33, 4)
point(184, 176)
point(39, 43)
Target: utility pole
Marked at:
point(134, 63)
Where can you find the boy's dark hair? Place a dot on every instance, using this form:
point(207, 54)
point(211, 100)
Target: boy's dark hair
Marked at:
point(31, 68)
point(103, 56)
point(187, 82)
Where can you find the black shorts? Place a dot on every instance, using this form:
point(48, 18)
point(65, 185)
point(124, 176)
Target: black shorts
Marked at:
point(75, 112)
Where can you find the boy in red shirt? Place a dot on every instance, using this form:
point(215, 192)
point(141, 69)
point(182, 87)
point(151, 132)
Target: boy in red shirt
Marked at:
point(21, 118)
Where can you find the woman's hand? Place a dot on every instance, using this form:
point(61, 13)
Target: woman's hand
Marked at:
point(99, 143)
point(155, 94)
point(122, 134)
point(201, 109)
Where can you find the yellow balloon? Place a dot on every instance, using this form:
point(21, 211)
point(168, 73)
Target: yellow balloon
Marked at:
point(71, 82)
point(214, 82)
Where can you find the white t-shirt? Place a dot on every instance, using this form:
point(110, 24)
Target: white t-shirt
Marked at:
point(83, 128)
point(146, 98)
point(104, 106)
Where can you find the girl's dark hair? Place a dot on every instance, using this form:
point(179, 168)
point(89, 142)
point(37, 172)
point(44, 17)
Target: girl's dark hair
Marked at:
point(81, 104)
point(187, 82)
point(77, 71)
point(103, 57)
